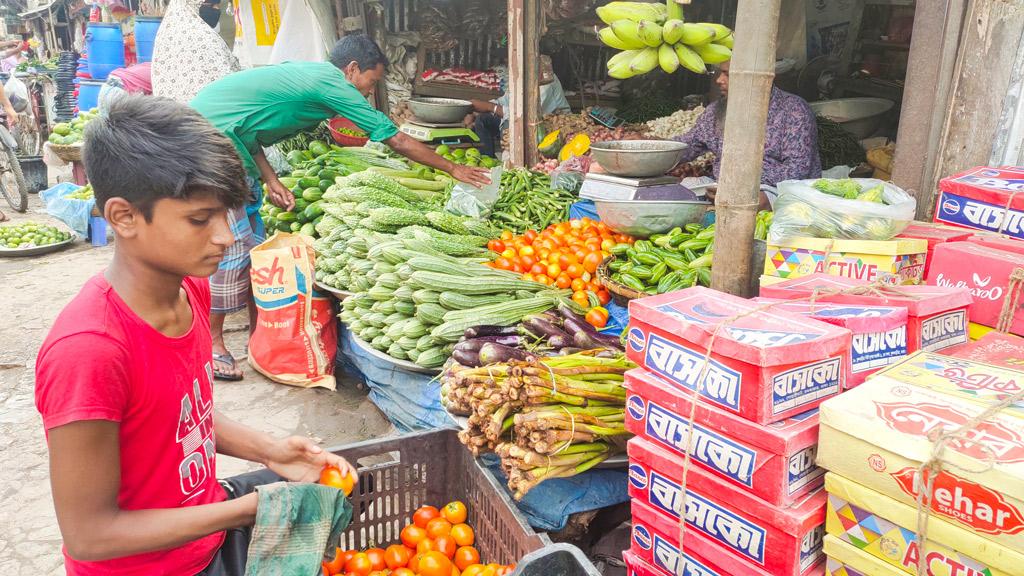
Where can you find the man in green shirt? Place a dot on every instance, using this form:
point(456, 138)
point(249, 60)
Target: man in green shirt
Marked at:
point(263, 106)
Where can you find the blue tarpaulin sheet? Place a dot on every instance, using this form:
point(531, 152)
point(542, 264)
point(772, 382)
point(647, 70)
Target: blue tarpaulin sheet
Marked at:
point(410, 400)
point(583, 208)
point(548, 506)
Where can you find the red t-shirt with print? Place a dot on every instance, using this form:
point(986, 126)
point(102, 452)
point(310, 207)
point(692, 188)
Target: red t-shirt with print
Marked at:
point(101, 361)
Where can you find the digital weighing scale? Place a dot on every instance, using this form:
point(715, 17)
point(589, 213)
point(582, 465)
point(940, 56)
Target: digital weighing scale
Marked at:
point(609, 187)
point(435, 133)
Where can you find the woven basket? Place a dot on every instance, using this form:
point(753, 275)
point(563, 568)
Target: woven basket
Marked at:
point(71, 153)
point(621, 293)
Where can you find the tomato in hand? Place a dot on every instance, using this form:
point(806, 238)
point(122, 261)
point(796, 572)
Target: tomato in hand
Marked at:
point(331, 476)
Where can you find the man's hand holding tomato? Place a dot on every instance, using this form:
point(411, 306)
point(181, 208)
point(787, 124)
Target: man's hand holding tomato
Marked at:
point(299, 459)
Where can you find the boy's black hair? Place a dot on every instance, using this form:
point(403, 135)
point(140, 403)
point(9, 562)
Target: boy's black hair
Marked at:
point(358, 48)
point(144, 148)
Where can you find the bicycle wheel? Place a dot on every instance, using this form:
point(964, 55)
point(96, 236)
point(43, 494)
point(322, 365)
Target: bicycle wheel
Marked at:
point(12, 181)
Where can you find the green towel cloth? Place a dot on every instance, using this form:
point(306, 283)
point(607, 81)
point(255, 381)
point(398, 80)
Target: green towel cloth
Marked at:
point(294, 524)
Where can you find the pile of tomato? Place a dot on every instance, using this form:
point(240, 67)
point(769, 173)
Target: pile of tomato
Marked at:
point(565, 255)
point(436, 543)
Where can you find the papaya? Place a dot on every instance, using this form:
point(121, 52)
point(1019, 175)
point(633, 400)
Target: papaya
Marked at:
point(550, 144)
point(578, 146)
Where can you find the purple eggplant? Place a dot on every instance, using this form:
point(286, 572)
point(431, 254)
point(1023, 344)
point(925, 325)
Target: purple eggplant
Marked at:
point(477, 331)
point(491, 353)
point(470, 358)
point(569, 350)
point(568, 313)
point(590, 340)
point(474, 344)
point(544, 328)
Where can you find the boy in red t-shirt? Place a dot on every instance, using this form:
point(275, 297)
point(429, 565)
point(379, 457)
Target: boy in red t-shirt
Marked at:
point(123, 380)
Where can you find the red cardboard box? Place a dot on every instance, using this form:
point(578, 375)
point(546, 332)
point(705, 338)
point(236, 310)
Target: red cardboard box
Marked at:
point(655, 541)
point(773, 462)
point(997, 241)
point(780, 541)
point(978, 198)
point(934, 234)
point(1003, 350)
point(987, 277)
point(765, 366)
point(664, 557)
point(879, 332)
point(936, 316)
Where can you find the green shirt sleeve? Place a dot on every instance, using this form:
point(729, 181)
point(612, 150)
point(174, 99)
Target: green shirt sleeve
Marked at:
point(341, 96)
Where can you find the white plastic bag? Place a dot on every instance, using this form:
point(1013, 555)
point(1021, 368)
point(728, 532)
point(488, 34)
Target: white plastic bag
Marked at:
point(468, 200)
point(801, 210)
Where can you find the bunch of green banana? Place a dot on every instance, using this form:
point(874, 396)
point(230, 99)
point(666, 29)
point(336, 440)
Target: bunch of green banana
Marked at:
point(652, 35)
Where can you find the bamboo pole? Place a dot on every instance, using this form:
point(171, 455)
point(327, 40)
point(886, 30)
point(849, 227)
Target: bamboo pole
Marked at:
point(750, 81)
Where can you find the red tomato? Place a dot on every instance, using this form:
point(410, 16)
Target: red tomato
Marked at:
point(538, 269)
point(597, 317)
point(592, 261)
point(507, 235)
point(563, 281)
point(359, 565)
point(503, 264)
point(553, 271)
point(496, 246)
point(574, 271)
point(578, 284)
point(530, 236)
point(446, 545)
point(604, 296)
point(397, 556)
point(580, 297)
point(527, 261)
point(377, 560)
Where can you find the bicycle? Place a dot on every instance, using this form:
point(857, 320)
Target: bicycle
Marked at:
point(12, 181)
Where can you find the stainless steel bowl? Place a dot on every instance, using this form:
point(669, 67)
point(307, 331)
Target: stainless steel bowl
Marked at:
point(643, 218)
point(637, 158)
point(860, 116)
point(439, 110)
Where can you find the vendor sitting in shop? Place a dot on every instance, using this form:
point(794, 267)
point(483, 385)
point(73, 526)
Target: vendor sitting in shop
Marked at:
point(262, 106)
point(488, 119)
point(790, 145)
point(135, 79)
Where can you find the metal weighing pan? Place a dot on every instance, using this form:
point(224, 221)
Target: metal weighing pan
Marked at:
point(637, 158)
point(439, 110)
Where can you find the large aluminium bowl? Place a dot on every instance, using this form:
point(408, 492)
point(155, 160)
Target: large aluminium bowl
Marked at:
point(439, 110)
point(646, 217)
point(637, 158)
point(860, 116)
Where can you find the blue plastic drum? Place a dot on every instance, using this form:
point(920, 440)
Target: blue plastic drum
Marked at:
point(89, 94)
point(105, 46)
point(145, 36)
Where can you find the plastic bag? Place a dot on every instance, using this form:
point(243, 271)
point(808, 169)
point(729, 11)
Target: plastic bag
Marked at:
point(468, 200)
point(17, 93)
point(296, 338)
point(801, 210)
point(71, 211)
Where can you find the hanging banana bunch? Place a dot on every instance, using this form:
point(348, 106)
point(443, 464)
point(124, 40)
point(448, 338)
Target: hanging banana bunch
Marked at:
point(651, 35)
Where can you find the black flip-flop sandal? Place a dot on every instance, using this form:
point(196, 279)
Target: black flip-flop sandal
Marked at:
point(225, 359)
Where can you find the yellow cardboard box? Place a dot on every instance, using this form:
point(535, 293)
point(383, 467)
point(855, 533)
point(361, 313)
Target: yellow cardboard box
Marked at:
point(841, 559)
point(882, 528)
point(972, 381)
point(878, 435)
point(898, 261)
